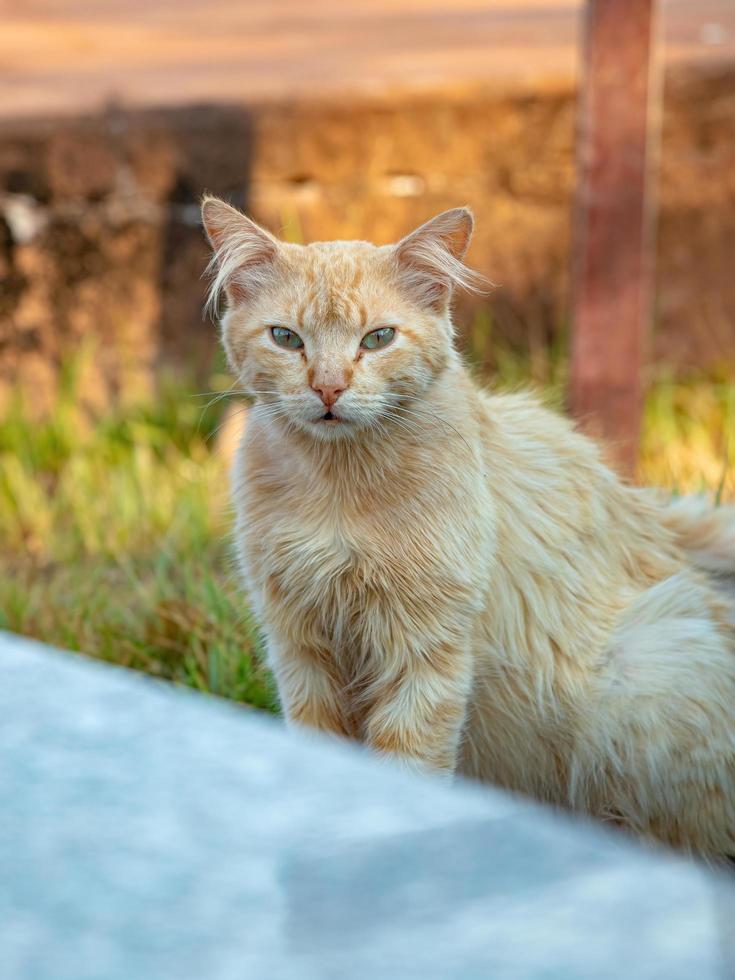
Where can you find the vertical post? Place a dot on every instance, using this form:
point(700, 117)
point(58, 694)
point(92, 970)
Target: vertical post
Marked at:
point(612, 240)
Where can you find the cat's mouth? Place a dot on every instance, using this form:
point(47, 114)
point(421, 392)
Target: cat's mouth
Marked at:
point(331, 419)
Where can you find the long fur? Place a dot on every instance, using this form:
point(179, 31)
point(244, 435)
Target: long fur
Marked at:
point(242, 255)
point(456, 578)
point(429, 260)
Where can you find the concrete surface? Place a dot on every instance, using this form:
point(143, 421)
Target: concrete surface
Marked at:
point(150, 833)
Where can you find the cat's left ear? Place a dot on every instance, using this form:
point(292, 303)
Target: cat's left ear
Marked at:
point(244, 253)
point(430, 258)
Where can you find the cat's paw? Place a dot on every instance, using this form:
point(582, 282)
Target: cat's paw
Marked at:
point(415, 765)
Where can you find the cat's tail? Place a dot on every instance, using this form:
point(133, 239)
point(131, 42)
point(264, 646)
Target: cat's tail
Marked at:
point(706, 533)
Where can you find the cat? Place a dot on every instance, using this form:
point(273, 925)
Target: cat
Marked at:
point(454, 577)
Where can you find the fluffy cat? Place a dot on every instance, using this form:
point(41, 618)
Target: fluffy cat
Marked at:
point(454, 577)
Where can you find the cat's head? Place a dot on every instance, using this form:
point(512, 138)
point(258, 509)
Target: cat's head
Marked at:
point(336, 336)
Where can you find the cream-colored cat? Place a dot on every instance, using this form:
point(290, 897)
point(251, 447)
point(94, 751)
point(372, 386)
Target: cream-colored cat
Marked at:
point(455, 577)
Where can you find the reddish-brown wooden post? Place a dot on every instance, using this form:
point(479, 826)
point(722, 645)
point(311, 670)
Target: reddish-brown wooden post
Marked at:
point(612, 237)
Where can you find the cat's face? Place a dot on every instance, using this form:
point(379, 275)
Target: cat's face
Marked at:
point(339, 336)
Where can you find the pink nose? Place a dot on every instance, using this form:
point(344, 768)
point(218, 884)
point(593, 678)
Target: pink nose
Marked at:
point(328, 393)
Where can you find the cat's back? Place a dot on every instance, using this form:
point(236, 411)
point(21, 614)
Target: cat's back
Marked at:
point(521, 431)
point(542, 472)
point(575, 544)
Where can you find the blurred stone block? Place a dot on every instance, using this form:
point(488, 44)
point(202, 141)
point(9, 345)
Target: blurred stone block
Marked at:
point(107, 253)
point(152, 833)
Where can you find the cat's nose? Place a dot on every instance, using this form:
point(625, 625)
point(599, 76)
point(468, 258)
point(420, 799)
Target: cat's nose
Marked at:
point(329, 393)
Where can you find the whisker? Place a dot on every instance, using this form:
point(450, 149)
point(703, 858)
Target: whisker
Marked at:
point(429, 416)
point(221, 394)
point(215, 432)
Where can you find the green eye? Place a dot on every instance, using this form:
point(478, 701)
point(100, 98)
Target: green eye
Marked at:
point(286, 338)
point(378, 338)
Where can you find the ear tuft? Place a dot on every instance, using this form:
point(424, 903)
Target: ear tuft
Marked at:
point(243, 253)
point(430, 258)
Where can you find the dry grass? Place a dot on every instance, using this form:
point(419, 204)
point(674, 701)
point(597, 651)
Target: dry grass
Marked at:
point(689, 437)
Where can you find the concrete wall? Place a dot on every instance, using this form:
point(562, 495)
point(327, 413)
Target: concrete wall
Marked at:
point(99, 242)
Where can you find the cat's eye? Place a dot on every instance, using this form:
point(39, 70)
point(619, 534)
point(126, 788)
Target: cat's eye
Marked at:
point(286, 338)
point(378, 338)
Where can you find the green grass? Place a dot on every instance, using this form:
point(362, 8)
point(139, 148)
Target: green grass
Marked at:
point(114, 530)
point(115, 541)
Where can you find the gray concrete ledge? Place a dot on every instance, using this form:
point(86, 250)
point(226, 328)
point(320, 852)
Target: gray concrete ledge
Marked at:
point(149, 833)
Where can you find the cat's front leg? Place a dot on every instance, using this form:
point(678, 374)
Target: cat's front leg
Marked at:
point(309, 689)
point(419, 707)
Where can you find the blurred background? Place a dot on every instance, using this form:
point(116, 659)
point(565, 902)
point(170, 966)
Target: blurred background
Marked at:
point(327, 119)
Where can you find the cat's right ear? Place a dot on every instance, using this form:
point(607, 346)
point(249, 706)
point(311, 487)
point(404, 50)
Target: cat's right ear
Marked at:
point(244, 254)
point(429, 260)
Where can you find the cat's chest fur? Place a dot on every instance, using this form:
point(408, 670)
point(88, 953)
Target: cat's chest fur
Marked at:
point(335, 565)
point(316, 547)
